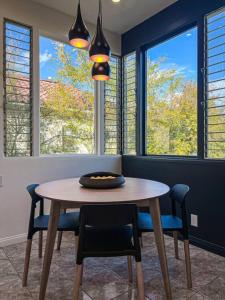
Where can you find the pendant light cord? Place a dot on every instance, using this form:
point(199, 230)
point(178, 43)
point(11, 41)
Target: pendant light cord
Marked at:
point(100, 11)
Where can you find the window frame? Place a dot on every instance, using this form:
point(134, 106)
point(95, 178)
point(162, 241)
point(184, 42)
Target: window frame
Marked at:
point(123, 112)
point(97, 97)
point(119, 113)
point(145, 49)
point(200, 109)
point(205, 85)
point(142, 99)
point(6, 20)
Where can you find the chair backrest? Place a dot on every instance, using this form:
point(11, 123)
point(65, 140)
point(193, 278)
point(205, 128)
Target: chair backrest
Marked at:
point(31, 190)
point(108, 216)
point(35, 199)
point(179, 193)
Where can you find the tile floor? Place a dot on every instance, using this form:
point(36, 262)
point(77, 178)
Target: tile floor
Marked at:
point(106, 278)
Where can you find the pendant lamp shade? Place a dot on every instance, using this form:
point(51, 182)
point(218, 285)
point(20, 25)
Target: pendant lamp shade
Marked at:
point(100, 50)
point(101, 71)
point(79, 36)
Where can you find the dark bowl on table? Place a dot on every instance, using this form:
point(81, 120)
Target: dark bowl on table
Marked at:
point(102, 180)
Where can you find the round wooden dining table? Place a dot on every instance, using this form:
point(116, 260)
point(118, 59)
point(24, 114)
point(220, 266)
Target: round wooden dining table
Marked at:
point(68, 193)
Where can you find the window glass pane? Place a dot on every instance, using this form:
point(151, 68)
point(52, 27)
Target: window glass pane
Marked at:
point(112, 131)
point(66, 99)
point(17, 90)
point(172, 96)
point(129, 103)
point(215, 85)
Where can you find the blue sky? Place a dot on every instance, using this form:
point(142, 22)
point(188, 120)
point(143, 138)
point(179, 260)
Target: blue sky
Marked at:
point(48, 67)
point(180, 52)
point(48, 63)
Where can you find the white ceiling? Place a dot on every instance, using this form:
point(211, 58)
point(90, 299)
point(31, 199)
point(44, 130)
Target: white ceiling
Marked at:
point(117, 17)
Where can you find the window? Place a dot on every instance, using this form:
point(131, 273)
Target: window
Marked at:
point(112, 115)
point(171, 84)
point(17, 75)
point(215, 86)
point(66, 99)
point(129, 104)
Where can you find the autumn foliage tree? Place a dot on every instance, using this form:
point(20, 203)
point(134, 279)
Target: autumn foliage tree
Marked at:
point(67, 113)
point(67, 110)
point(171, 112)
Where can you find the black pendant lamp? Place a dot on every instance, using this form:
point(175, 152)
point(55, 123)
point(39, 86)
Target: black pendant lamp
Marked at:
point(100, 49)
point(101, 71)
point(79, 36)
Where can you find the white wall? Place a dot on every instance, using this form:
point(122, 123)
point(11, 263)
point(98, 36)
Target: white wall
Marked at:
point(19, 172)
point(48, 21)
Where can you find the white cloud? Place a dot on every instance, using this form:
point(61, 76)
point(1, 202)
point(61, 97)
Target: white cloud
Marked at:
point(45, 56)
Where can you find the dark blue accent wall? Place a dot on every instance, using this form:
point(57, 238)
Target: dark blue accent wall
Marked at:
point(205, 177)
point(180, 14)
point(207, 195)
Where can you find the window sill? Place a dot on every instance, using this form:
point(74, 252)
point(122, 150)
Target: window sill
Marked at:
point(182, 160)
point(60, 156)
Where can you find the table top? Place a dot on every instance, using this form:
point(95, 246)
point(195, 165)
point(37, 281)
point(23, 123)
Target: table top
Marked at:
point(134, 189)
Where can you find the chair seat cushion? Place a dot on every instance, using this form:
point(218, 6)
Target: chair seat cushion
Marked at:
point(99, 241)
point(169, 222)
point(67, 222)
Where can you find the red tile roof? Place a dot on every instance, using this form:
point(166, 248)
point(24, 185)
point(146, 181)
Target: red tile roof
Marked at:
point(47, 88)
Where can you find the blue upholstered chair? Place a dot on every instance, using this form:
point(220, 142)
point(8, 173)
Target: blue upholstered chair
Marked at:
point(173, 223)
point(67, 222)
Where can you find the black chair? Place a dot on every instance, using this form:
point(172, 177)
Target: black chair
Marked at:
point(108, 231)
point(173, 223)
point(67, 222)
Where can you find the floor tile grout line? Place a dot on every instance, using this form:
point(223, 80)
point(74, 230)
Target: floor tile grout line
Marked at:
point(208, 284)
point(114, 298)
point(118, 277)
point(18, 275)
point(13, 262)
point(86, 293)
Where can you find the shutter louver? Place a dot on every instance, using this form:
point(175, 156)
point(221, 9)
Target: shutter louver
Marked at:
point(129, 104)
point(112, 115)
point(215, 85)
point(17, 74)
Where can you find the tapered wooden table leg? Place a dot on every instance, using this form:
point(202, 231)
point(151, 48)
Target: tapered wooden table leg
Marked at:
point(159, 238)
point(52, 229)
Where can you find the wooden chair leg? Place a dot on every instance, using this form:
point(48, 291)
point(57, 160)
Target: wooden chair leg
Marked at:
point(60, 234)
point(77, 281)
point(188, 263)
point(81, 278)
point(140, 281)
point(40, 244)
point(76, 244)
point(27, 262)
point(129, 268)
point(175, 239)
point(59, 240)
